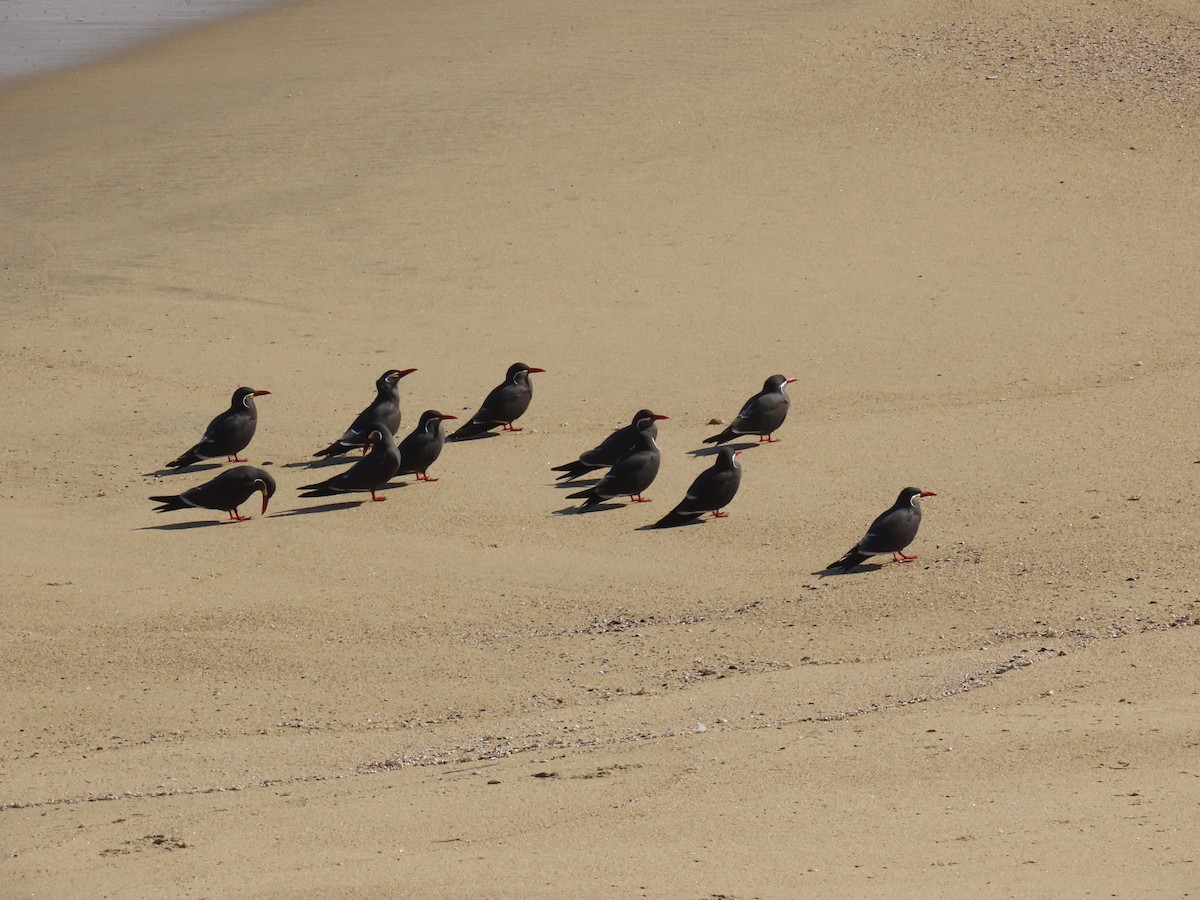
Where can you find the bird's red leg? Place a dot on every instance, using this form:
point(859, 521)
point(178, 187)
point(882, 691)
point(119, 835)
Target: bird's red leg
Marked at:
point(235, 516)
point(767, 439)
point(421, 476)
point(377, 499)
point(901, 557)
point(638, 498)
point(509, 426)
point(236, 458)
point(717, 514)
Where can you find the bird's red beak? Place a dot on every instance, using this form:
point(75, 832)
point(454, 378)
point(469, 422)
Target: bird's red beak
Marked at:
point(449, 417)
point(404, 372)
point(928, 494)
point(260, 393)
point(533, 369)
point(737, 452)
point(790, 381)
point(657, 418)
point(265, 499)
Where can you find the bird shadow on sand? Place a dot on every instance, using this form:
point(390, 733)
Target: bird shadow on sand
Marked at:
point(583, 510)
point(184, 526)
point(713, 450)
point(184, 470)
point(487, 435)
point(861, 567)
point(320, 508)
point(344, 459)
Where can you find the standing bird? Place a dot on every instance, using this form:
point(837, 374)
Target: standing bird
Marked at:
point(229, 433)
point(633, 472)
point(763, 413)
point(385, 409)
point(421, 449)
point(226, 492)
point(503, 405)
point(890, 533)
point(712, 489)
point(370, 473)
point(611, 449)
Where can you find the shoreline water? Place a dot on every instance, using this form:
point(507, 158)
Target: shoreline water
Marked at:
point(51, 35)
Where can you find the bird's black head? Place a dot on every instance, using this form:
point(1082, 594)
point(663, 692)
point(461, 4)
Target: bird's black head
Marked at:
point(648, 420)
point(516, 370)
point(243, 395)
point(432, 415)
point(267, 482)
point(777, 383)
point(391, 376)
point(639, 415)
point(911, 496)
point(377, 433)
point(727, 458)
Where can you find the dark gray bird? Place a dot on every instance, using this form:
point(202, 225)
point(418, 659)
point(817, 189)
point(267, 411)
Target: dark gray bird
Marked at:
point(503, 405)
point(226, 492)
point(890, 533)
point(607, 452)
point(712, 489)
point(385, 409)
point(421, 449)
point(762, 414)
point(229, 433)
point(369, 473)
point(633, 472)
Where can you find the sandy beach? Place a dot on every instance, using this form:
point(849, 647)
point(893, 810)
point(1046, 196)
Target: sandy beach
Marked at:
point(967, 229)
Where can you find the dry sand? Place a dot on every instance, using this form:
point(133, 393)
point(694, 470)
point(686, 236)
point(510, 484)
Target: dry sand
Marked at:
point(968, 228)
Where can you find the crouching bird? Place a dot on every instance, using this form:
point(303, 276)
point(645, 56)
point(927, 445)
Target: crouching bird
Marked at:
point(604, 454)
point(503, 405)
point(632, 473)
point(228, 434)
point(369, 473)
point(421, 449)
point(226, 492)
point(891, 532)
point(712, 489)
point(385, 409)
point(762, 414)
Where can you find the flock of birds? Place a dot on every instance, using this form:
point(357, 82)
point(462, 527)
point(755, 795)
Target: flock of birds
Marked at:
point(630, 455)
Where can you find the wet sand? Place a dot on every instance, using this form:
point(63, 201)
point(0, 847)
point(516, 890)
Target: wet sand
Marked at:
point(969, 231)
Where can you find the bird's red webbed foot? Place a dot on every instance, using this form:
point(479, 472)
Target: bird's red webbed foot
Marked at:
point(377, 499)
point(509, 426)
point(235, 516)
point(638, 498)
point(421, 476)
point(717, 514)
point(902, 557)
point(235, 458)
point(767, 439)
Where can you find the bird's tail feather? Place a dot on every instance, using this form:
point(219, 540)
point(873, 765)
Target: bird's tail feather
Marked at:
point(187, 459)
point(726, 435)
point(675, 517)
point(334, 449)
point(572, 470)
point(852, 558)
point(472, 429)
